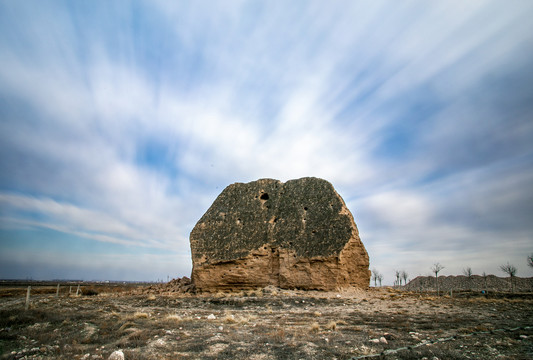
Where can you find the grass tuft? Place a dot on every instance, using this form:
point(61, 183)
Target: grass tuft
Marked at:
point(140, 315)
point(229, 318)
point(173, 317)
point(126, 325)
point(332, 325)
point(315, 327)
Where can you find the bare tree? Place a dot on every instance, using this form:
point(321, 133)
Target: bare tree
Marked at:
point(380, 279)
point(404, 276)
point(375, 275)
point(530, 260)
point(398, 280)
point(436, 268)
point(511, 271)
point(467, 271)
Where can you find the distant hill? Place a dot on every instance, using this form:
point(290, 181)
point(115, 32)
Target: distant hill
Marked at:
point(476, 282)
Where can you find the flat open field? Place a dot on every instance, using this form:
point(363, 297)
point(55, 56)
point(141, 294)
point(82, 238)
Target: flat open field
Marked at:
point(270, 324)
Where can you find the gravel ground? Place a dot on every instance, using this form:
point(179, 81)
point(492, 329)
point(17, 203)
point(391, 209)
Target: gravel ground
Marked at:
point(273, 324)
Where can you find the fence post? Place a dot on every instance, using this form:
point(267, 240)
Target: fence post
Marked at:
point(69, 290)
point(78, 290)
point(28, 298)
point(57, 291)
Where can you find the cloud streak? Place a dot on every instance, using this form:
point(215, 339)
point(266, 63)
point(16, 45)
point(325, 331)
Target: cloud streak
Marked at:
point(122, 122)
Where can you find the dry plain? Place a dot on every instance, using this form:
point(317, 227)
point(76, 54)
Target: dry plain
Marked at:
point(269, 323)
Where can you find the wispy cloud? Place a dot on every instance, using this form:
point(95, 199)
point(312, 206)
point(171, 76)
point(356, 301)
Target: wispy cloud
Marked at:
point(122, 122)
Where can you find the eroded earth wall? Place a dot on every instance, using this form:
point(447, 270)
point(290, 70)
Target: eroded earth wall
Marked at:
point(297, 234)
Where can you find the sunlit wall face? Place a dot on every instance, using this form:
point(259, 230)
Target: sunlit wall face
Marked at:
point(121, 122)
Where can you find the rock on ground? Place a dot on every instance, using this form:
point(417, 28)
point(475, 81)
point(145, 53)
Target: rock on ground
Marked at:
point(116, 355)
point(297, 234)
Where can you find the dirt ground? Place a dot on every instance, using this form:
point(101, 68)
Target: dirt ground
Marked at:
point(266, 324)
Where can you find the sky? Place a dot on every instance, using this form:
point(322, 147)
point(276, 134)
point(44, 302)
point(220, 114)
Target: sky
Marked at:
point(122, 121)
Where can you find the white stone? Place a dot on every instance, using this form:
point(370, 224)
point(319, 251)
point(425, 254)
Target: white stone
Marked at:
point(116, 355)
point(159, 342)
point(383, 340)
point(211, 317)
point(375, 341)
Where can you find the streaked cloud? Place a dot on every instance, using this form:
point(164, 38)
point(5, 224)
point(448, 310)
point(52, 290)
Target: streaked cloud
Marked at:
point(121, 122)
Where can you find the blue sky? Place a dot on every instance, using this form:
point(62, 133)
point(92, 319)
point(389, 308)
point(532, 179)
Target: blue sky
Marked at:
point(120, 123)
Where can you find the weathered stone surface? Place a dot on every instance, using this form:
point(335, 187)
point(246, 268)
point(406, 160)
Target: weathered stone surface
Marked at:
point(297, 234)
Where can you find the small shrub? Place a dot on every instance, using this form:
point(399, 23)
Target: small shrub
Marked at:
point(89, 292)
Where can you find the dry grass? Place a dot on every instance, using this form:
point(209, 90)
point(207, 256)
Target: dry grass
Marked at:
point(126, 325)
point(136, 338)
point(365, 350)
point(277, 335)
point(315, 327)
point(220, 294)
point(473, 329)
point(173, 317)
point(246, 319)
point(140, 315)
point(332, 325)
point(255, 292)
point(229, 318)
point(299, 326)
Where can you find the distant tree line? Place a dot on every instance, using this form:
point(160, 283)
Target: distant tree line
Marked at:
point(401, 276)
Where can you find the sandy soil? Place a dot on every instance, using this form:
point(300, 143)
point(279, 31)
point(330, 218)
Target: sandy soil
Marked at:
point(272, 324)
